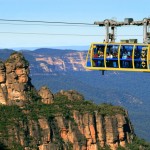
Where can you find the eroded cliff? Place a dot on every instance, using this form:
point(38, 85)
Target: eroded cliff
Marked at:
point(14, 80)
point(62, 121)
point(71, 61)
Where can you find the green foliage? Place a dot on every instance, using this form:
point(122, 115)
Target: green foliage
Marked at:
point(121, 148)
point(3, 147)
point(139, 144)
point(109, 109)
point(16, 146)
point(33, 97)
point(10, 116)
point(65, 107)
point(88, 106)
point(105, 148)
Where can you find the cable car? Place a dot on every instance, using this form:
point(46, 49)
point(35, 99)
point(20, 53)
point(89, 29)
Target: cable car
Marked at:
point(126, 55)
point(121, 56)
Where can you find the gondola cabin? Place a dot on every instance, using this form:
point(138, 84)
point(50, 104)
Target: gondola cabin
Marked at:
point(123, 56)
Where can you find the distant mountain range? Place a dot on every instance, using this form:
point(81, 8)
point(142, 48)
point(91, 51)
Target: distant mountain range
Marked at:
point(64, 69)
point(82, 47)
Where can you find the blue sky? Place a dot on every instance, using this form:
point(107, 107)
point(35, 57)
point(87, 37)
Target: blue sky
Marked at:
point(86, 11)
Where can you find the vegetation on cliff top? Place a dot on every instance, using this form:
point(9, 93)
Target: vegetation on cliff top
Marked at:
point(65, 107)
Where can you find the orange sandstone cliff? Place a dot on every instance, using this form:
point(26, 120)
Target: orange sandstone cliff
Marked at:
point(42, 120)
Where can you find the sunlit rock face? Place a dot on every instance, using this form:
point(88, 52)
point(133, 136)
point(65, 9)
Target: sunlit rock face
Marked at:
point(71, 95)
point(46, 95)
point(95, 131)
point(14, 79)
point(3, 93)
point(2, 72)
point(71, 61)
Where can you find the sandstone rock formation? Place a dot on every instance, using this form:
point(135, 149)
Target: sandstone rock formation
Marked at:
point(3, 90)
point(87, 132)
point(14, 79)
point(71, 95)
point(69, 61)
point(104, 130)
point(46, 95)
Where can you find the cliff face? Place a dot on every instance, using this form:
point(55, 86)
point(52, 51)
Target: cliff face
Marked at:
point(52, 122)
point(51, 61)
point(91, 132)
point(71, 61)
point(14, 79)
point(80, 131)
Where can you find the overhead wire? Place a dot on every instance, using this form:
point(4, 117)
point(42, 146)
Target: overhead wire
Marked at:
point(49, 23)
point(48, 34)
point(34, 33)
point(64, 25)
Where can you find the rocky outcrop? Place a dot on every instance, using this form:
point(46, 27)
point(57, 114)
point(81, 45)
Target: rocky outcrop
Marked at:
point(14, 79)
point(71, 95)
point(104, 130)
point(3, 91)
point(2, 72)
point(46, 95)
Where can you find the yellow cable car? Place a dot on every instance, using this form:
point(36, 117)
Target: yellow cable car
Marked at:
point(123, 56)
point(128, 55)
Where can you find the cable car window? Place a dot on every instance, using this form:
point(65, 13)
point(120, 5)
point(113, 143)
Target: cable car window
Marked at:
point(112, 56)
point(126, 56)
point(140, 57)
point(98, 57)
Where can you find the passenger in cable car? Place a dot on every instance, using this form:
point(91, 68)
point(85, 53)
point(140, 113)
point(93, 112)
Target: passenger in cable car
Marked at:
point(95, 55)
point(110, 55)
point(129, 57)
point(115, 55)
point(115, 63)
point(101, 55)
point(137, 56)
point(124, 57)
point(98, 52)
point(107, 60)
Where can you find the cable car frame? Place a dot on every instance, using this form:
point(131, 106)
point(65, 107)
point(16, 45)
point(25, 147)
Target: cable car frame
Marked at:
point(128, 55)
point(119, 57)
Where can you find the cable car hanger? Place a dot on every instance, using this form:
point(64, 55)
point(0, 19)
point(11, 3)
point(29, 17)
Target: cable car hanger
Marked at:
point(127, 21)
point(127, 55)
